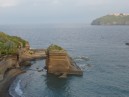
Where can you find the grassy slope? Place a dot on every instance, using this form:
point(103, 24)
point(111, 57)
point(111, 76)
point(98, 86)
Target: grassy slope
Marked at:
point(54, 47)
point(9, 44)
point(113, 20)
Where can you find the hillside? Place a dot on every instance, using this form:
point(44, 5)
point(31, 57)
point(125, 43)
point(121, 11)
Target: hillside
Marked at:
point(112, 19)
point(9, 44)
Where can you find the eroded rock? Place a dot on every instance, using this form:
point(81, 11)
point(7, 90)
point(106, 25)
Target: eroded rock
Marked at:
point(59, 62)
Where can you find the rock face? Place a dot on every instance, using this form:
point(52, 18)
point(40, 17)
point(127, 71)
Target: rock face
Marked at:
point(32, 54)
point(11, 61)
point(58, 62)
point(7, 63)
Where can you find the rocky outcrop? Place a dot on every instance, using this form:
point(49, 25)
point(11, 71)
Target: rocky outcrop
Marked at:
point(10, 67)
point(7, 63)
point(127, 44)
point(32, 54)
point(15, 61)
point(58, 62)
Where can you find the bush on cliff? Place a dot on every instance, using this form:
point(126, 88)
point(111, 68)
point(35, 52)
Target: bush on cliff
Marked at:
point(54, 47)
point(9, 44)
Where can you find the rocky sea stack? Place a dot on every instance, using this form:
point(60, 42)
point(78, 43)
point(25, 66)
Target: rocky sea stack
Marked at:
point(58, 62)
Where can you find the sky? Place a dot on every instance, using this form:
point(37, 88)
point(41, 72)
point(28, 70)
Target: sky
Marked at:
point(58, 11)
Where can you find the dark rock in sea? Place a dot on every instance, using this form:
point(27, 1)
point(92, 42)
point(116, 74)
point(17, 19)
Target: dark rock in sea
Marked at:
point(127, 44)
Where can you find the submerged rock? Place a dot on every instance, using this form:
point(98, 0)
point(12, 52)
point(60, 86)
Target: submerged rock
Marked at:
point(64, 75)
point(127, 43)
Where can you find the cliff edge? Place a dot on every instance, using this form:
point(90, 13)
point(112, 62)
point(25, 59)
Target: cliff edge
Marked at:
point(14, 53)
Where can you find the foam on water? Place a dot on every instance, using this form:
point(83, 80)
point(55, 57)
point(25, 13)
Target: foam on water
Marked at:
point(15, 89)
point(18, 89)
point(83, 67)
point(81, 58)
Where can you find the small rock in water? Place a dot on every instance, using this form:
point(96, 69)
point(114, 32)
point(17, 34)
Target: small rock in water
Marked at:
point(64, 75)
point(40, 70)
point(127, 43)
point(89, 65)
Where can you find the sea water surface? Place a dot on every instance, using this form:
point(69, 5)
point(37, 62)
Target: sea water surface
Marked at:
point(106, 73)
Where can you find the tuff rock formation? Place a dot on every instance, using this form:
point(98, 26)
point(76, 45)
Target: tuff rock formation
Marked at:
point(58, 62)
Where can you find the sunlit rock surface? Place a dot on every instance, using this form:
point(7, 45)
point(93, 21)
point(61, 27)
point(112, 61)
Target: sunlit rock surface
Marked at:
point(58, 62)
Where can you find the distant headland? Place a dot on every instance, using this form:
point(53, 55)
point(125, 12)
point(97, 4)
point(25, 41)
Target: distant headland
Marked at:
point(112, 19)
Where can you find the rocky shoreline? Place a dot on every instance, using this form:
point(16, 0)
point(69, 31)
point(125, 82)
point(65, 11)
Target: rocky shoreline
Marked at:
point(5, 84)
point(10, 67)
point(58, 62)
point(15, 53)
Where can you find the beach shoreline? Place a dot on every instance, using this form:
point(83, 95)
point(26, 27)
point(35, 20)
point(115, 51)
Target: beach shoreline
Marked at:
point(11, 68)
point(9, 78)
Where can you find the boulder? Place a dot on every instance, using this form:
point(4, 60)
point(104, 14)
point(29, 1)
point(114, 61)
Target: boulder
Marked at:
point(127, 43)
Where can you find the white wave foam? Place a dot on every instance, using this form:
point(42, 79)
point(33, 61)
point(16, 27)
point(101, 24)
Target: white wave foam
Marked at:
point(18, 89)
point(80, 58)
point(83, 67)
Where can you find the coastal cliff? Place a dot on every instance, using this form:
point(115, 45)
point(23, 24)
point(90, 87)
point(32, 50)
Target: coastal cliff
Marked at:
point(9, 52)
point(10, 44)
point(14, 54)
point(9, 60)
point(112, 19)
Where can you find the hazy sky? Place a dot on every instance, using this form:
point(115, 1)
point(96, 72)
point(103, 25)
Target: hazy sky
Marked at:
point(58, 11)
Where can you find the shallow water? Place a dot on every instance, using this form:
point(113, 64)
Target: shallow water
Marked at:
point(106, 73)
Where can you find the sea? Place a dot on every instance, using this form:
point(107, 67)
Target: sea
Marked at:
point(100, 51)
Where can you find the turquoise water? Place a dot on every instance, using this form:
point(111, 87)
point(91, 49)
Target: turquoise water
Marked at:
point(106, 73)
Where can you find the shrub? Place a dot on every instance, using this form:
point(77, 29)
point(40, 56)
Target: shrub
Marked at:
point(9, 44)
point(54, 47)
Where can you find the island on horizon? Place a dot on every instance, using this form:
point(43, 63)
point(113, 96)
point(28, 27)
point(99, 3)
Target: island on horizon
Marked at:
point(112, 19)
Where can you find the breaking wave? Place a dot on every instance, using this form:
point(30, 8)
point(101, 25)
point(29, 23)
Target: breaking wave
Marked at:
point(15, 90)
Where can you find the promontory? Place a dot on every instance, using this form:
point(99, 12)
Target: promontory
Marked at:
point(15, 53)
point(112, 19)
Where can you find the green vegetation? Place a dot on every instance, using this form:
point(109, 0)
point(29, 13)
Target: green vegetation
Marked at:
point(9, 44)
point(54, 47)
point(112, 20)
